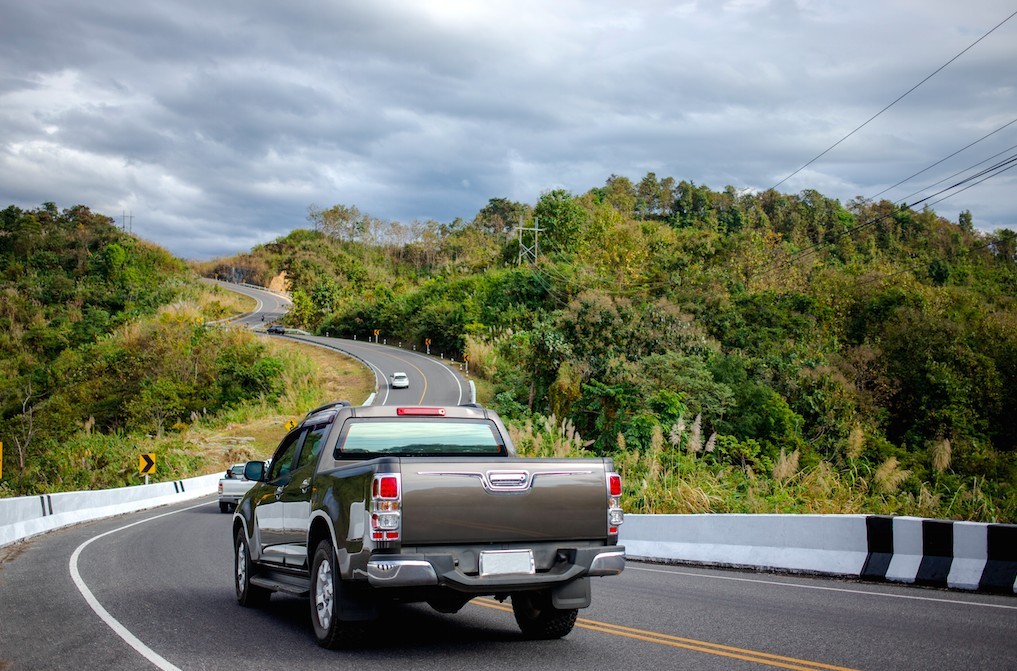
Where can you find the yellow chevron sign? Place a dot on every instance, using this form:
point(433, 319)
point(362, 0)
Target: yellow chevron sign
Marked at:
point(146, 464)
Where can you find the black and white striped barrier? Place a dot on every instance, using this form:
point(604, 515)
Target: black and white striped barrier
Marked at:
point(938, 553)
point(959, 555)
point(27, 516)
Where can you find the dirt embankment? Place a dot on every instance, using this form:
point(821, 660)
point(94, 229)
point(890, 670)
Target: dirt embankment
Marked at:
point(280, 284)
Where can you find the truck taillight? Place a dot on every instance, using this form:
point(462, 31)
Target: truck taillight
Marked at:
point(615, 515)
point(386, 504)
point(386, 487)
point(614, 484)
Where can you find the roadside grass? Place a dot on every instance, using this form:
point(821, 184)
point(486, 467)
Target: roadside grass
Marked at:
point(89, 460)
point(216, 303)
point(664, 479)
point(314, 375)
point(485, 391)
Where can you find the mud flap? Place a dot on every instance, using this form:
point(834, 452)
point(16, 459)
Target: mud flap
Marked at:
point(575, 594)
point(355, 605)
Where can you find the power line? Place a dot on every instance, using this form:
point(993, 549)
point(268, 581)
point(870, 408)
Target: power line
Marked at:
point(1010, 164)
point(901, 97)
point(959, 172)
point(942, 160)
point(966, 183)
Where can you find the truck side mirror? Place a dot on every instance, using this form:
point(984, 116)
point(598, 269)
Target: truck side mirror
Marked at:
point(255, 470)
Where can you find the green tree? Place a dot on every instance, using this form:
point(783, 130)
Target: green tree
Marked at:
point(648, 196)
point(964, 220)
point(1005, 245)
point(501, 214)
point(561, 218)
point(620, 193)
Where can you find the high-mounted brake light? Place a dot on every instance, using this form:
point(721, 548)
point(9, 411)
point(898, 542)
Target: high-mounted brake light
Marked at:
point(421, 412)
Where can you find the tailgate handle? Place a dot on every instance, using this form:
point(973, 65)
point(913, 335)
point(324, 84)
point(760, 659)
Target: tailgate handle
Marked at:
point(305, 485)
point(508, 480)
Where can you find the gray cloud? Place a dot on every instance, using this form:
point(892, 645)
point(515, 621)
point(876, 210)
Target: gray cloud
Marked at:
point(217, 124)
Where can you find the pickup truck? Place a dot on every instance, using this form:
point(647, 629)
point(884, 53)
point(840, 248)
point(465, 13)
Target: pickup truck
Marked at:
point(232, 487)
point(363, 506)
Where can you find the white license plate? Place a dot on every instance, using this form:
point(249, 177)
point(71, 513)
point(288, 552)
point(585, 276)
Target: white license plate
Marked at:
point(505, 562)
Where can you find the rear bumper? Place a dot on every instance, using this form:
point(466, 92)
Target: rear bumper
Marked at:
point(421, 570)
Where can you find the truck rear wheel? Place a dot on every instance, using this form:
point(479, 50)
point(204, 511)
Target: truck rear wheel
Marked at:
point(538, 619)
point(326, 585)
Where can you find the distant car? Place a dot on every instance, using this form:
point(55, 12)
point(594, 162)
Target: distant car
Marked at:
point(232, 487)
point(235, 471)
point(400, 381)
point(276, 329)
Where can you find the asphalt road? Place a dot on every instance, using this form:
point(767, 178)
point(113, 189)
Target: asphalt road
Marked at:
point(167, 581)
point(432, 381)
point(269, 308)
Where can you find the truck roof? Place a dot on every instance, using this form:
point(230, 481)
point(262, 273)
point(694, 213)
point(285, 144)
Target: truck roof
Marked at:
point(327, 414)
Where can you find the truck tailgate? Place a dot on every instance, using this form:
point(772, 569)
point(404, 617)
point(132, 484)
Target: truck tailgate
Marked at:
point(481, 500)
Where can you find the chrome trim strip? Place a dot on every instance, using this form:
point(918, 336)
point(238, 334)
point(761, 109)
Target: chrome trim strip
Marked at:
point(400, 573)
point(505, 480)
point(608, 563)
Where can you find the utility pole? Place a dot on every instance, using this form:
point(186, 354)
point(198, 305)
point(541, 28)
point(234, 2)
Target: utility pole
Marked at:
point(530, 252)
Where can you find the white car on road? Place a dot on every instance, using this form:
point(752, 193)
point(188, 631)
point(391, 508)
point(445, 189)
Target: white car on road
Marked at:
point(400, 381)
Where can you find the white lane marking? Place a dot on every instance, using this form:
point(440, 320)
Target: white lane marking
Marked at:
point(119, 629)
point(398, 355)
point(445, 368)
point(912, 597)
point(402, 355)
point(379, 375)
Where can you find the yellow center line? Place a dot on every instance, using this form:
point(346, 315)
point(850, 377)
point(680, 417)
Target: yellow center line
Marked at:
point(688, 643)
point(424, 392)
point(406, 362)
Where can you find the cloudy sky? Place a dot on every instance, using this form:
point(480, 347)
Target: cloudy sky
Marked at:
point(216, 124)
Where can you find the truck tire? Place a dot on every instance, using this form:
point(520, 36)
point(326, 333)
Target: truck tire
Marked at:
point(248, 595)
point(331, 631)
point(538, 619)
point(224, 507)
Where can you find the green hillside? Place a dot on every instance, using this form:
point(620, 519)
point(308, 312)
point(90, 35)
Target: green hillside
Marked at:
point(733, 351)
point(106, 352)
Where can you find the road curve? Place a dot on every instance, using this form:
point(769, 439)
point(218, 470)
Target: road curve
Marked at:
point(433, 381)
point(270, 306)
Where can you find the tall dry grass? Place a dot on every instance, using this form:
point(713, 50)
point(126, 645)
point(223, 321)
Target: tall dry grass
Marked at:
point(668, 477)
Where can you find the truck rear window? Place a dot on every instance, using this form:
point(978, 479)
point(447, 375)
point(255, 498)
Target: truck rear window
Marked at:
point(414, 438)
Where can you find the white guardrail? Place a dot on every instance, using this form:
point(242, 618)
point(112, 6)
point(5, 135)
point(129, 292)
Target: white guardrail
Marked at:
point(27, 516)
point(937, 553)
